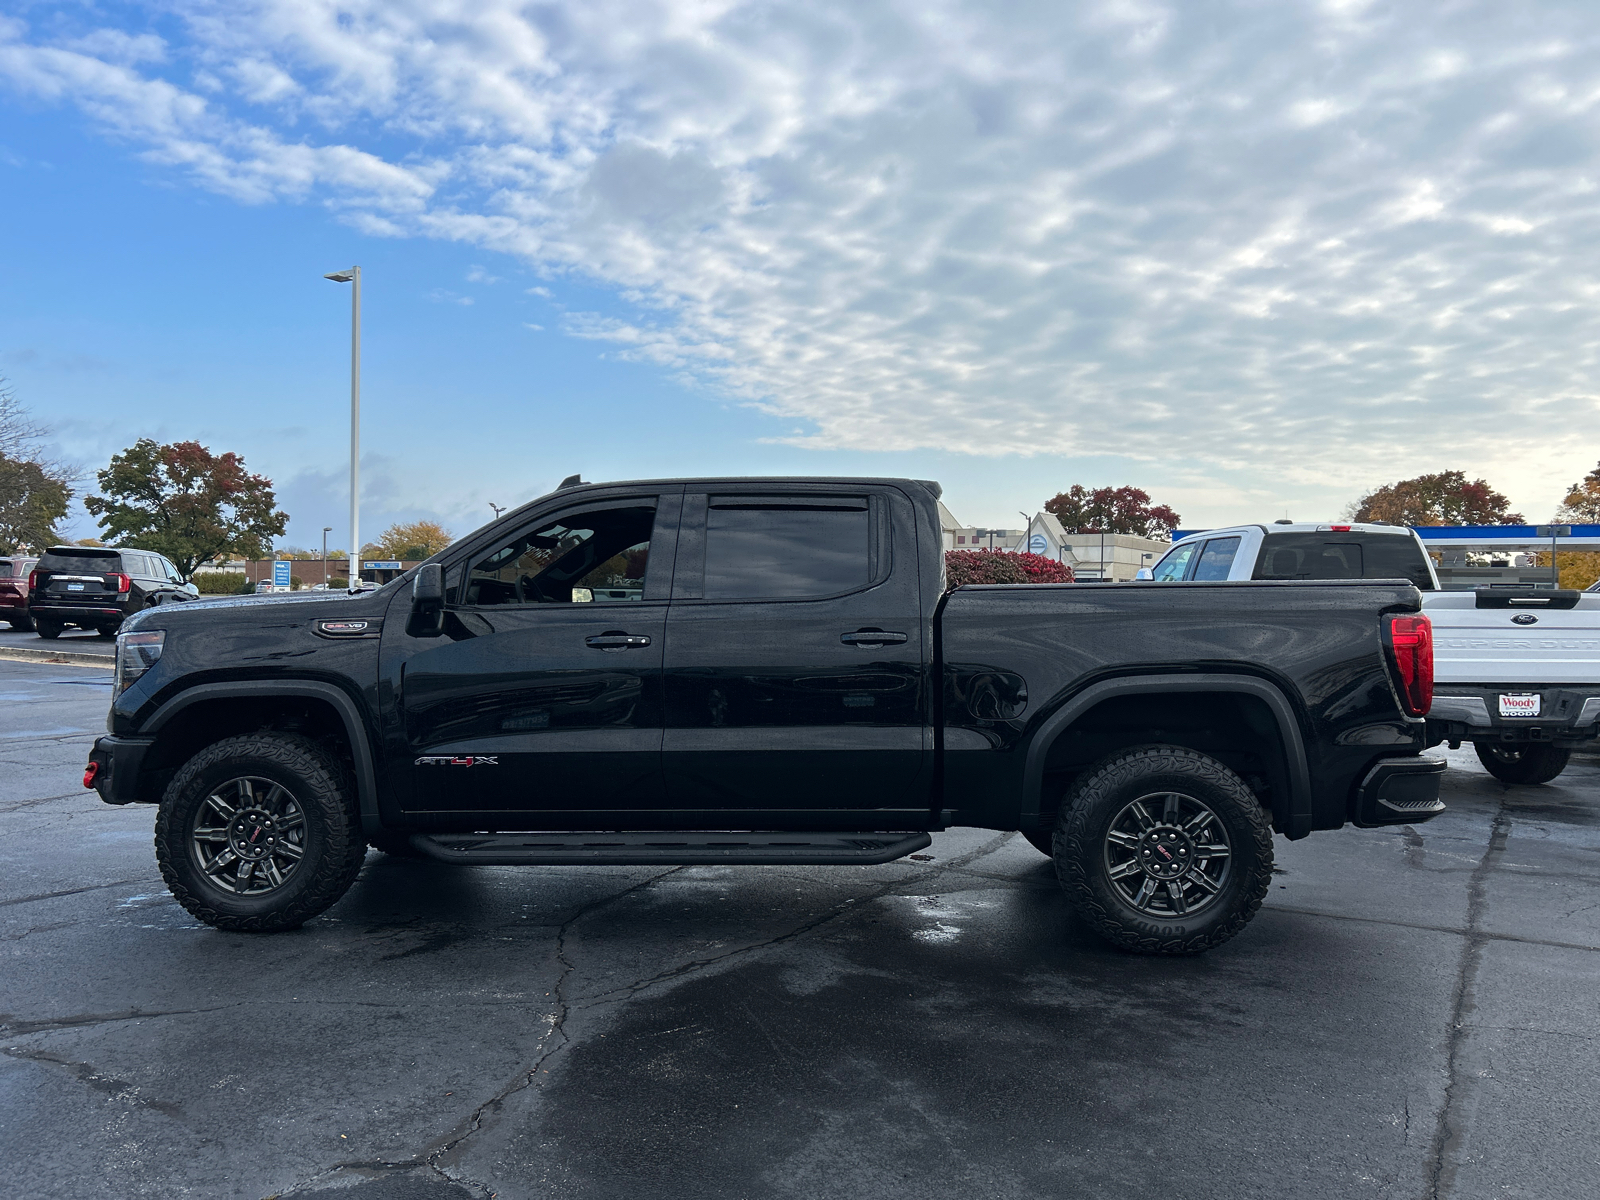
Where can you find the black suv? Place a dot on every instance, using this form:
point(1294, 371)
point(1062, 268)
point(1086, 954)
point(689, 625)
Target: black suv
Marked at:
point(95, 589)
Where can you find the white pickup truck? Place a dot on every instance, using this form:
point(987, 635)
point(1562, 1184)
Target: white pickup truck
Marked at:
point(1516, 670)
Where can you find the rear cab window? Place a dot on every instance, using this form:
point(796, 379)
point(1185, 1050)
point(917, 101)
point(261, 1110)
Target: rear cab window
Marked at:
point(80, 562)
point(1343, 555)
point(1175, 566)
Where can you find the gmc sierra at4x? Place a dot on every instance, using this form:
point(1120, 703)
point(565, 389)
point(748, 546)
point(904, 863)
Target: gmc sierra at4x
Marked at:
point(749, 671)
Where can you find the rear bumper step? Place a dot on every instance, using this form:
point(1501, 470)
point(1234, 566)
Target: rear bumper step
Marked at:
point(662, 850)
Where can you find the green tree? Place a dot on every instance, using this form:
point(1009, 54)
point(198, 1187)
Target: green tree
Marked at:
point(1444, 498)
point(1582, 505)
point(31, 502)
point(1112, 510)
point(412, 541)
point(187, 503)
point(34, 493)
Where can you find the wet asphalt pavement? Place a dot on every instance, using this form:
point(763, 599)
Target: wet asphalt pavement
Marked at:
point(1413, 1014)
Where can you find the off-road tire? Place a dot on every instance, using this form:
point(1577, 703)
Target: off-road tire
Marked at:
point(23, 625)
point(1523, 763)
point(1042, 840)
point(333, 847)
point(396, 845)
point(1104, 791)
point(49, 630)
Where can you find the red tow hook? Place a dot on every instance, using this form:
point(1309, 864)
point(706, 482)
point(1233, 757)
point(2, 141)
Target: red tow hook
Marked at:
point(89, 773)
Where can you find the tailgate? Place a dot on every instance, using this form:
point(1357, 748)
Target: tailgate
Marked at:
point(1514, 644)
point(79, 589)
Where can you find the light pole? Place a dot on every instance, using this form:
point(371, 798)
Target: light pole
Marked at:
point(353, 276)
point(1022, 546)
point(498, 509)
point(326, 530)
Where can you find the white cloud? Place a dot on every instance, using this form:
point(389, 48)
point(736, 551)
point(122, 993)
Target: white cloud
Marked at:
point(1316, 240)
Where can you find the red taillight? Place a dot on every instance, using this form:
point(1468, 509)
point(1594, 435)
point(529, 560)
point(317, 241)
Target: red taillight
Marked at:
point(1340, 528)
point(33, 580)
point(122, 581)
point(1411, 648)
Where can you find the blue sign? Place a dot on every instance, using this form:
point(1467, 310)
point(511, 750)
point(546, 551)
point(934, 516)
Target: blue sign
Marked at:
point(280, 573)
point(1037, 544)
point(385, 565)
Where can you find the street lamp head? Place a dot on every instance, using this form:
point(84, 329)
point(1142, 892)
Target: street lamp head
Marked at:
point(327, 529)
point(341, 276)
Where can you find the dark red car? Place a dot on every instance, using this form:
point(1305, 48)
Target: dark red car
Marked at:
point(14, 591)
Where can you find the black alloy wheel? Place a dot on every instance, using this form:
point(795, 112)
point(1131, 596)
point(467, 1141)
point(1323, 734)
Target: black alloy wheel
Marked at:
point(248, 836)
point(1168, 854)
point(259, 832)
point(1164, 850)
point(1524, 762)
point(49, 630)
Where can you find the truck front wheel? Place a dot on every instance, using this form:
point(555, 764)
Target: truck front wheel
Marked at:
point(1163, 850)
point(259, 833)
point(1537, 763)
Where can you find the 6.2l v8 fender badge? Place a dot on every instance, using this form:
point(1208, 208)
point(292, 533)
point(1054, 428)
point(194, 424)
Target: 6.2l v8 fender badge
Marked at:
point(464, 760)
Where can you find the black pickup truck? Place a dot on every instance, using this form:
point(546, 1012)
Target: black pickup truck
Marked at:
point(742, 671)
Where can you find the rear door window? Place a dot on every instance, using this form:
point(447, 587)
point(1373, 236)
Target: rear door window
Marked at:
point(1175, 565)
point(1216, 560)
point(787, 547)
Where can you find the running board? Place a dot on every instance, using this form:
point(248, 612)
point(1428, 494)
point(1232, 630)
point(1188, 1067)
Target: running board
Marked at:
point(665, 849)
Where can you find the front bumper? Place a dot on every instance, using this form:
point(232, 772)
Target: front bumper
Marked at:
point(1568, 715)
point(120, 760)
point(1399, 791)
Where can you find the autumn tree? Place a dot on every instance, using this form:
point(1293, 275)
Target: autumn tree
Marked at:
point(412, 541)
point(34, 492)
point(182, 501)
point(1582, 505)
point(1444, 498)
point(1112, 510)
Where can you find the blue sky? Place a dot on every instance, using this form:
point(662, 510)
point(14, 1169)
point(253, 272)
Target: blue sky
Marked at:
point(1254, 258)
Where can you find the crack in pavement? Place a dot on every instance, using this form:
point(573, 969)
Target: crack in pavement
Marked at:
point(1454, 930)
point(1459, 1094)
point(22, 804)
point(911, 882)
point(93, 887)
point(16, 1027)
point(119, 1089)
point(428, 1161)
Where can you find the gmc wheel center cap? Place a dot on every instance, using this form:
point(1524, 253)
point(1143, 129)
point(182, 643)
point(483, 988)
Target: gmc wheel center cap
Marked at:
point(252, 834)
point(1165, 852)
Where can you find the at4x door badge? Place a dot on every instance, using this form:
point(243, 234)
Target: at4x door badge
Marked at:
point(465, 760)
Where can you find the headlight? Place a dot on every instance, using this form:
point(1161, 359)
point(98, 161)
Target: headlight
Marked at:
point(136, 654)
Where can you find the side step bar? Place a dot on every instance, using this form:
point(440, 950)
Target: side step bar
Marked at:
point(668, 849)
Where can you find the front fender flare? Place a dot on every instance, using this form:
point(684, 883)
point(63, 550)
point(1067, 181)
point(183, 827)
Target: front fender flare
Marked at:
point(354, 727)
point(1296, 817)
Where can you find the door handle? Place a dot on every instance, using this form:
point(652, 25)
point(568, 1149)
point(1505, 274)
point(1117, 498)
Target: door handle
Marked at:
point(615, 639)
point(873, 637)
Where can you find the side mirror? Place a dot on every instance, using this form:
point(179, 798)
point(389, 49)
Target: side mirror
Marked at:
point(427, 602)
point(1144, 573)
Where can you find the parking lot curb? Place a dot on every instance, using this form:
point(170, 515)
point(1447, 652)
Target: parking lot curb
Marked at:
point(75, 658)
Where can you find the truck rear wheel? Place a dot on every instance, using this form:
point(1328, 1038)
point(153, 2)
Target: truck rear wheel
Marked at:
point(259, 833)
point(1525, 763)
point(1163, 850)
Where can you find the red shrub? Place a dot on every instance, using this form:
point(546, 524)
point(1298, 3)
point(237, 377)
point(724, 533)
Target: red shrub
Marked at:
point(1001, 566)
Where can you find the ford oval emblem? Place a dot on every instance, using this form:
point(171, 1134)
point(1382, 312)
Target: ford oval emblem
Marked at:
point(1524, 619)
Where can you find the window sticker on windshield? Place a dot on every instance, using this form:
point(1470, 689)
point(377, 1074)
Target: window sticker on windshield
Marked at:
point(1519, 704)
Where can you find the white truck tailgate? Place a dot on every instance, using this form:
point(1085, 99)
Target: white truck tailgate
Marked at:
point(1502, 645)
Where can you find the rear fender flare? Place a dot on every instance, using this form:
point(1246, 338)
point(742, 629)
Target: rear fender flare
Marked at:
point(355, 729)
point(1296, 820)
